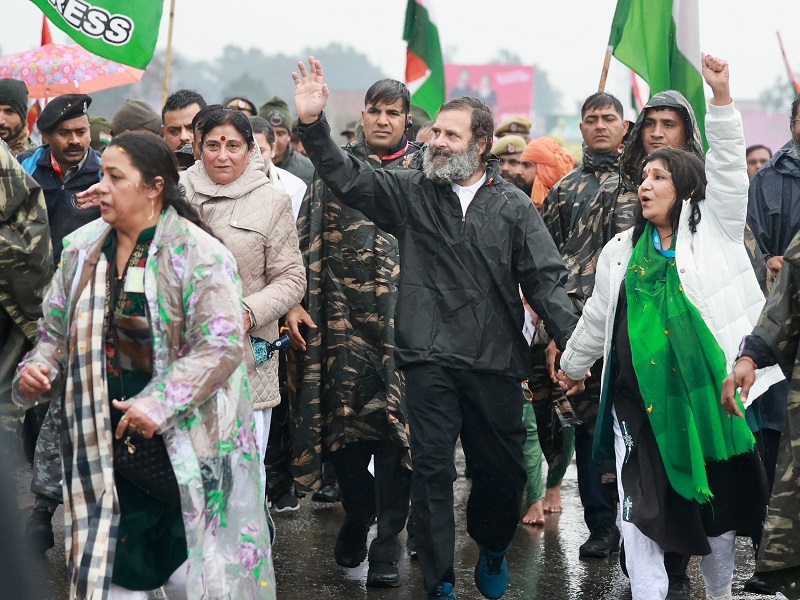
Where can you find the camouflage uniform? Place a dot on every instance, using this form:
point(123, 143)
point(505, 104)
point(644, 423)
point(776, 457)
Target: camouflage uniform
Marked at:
point(25, 263)
point(26, 260)
point(612, 210)
point(349, 388)
point(21, 142)
point(350, 404)
point(778, 328)
point(560, 211)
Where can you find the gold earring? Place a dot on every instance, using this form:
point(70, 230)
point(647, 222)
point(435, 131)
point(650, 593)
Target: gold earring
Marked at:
point(152, 210)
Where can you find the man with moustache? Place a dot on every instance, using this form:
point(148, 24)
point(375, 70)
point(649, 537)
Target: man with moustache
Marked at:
point(603, 129)
point(14, 115)
point(64, 166)
point(468, 241)
point(351, 407)
point(508, 151)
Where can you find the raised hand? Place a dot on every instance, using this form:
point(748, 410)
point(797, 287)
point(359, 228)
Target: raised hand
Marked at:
point(715, 72)
point(311, 91)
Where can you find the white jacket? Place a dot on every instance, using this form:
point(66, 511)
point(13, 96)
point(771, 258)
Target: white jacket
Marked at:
point(713, 265)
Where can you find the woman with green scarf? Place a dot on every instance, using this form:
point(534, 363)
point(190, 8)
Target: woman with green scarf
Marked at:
point(673, 297)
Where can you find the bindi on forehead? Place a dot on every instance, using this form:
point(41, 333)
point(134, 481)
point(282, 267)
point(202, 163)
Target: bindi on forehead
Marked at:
point(222, 137)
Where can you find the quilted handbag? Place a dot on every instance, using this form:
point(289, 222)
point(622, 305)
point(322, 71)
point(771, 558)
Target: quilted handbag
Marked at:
point(145, 463)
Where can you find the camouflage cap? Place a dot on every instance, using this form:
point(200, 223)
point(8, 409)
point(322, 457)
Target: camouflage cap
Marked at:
point(276, 112)
point(516, 125)
point(100, 129)
point(133, 115)
point(509, 144)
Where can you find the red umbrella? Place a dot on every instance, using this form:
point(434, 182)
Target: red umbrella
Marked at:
point(55, 69)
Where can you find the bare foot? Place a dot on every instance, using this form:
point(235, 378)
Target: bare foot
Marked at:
point(535, 516)
point(552, 500)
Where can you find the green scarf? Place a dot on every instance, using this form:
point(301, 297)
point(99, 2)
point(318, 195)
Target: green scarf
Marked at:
point(679, 367)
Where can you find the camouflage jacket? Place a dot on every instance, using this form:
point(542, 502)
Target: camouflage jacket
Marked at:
point(349, 388)
point(562, 207)
point(613, 208)
point(25, 252)
point(779, 328)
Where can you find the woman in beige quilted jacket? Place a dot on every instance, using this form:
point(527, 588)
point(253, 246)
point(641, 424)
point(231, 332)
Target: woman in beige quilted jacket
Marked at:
point(254, 220)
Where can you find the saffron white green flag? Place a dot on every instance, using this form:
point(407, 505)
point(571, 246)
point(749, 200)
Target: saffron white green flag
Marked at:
point(660, 41)
point(424, 64)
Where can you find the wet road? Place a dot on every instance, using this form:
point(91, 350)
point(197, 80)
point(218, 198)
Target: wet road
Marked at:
point(543, 562)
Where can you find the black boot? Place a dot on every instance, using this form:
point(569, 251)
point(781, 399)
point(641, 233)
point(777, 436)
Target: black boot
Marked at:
point(329, 492)
point(39, 531)
point(602, 542)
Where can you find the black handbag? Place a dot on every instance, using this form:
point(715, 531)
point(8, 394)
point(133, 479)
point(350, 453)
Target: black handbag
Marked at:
point(146, 464)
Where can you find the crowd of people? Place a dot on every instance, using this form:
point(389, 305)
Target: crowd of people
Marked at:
point(437, 279)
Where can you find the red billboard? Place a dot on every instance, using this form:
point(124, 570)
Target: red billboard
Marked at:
point(507, 89)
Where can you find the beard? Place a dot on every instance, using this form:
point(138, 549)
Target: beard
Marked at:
point(796, 142)
point(6, 133)
point(459, 166)
point(519, 181)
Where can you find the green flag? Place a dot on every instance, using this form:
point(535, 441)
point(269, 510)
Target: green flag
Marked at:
point(125, 32)
point(424, 64)
point(660, 41)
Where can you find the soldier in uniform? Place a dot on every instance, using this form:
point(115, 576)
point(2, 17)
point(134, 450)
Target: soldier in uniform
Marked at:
point(350, 406)
point(775, 340)
point(64, 166)
point(603, 129)
point(25, 262)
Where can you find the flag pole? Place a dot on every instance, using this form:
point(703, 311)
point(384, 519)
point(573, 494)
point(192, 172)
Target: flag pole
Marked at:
point(168, 57)
point(792, 76)
point(604, 74)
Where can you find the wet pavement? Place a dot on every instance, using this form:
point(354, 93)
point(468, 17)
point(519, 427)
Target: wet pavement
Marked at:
point(543, 561)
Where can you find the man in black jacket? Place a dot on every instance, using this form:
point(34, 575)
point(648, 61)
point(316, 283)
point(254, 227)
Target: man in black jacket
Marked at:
point(468, 242)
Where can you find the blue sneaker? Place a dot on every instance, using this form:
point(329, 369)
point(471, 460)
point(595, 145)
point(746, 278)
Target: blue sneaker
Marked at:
point(444, 591)
point(491, 573)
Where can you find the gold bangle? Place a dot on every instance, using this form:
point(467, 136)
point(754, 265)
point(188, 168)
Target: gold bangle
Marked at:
point(747, 358)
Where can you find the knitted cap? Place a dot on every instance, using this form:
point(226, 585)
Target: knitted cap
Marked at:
point(14, 93)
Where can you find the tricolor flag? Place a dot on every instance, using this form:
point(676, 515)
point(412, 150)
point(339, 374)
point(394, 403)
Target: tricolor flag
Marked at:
point(125, 32)
point(424, 64)
point(660, 41)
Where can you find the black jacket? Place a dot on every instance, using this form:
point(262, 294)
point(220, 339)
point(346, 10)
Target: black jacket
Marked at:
point(773, 209)
point(64, 218)
point(459, 304)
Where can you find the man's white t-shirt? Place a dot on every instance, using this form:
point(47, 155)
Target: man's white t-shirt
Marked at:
point(467, 193)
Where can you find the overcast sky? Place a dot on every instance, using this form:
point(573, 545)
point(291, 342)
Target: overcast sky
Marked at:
point(566, 37)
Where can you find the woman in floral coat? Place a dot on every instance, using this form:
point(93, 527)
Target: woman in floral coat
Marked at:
point(150, 261)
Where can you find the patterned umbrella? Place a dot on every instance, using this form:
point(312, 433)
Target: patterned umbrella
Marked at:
point(55, 69)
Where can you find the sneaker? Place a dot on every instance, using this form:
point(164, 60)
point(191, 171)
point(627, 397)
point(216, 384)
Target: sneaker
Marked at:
point(444, 591)
point(39, 531)
point(756, 585)
point(286, 503)
point(327, 494)
point(383, 575)
point(602, 542)
point(679, 588)
point(491, 573)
